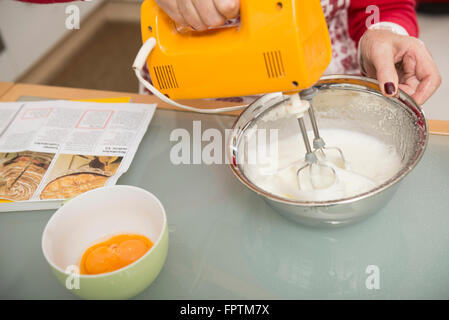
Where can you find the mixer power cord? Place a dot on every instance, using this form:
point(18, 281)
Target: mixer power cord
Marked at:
point(138, 66)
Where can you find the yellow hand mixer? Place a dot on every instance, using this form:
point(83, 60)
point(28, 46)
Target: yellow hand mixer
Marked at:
point(278, 46)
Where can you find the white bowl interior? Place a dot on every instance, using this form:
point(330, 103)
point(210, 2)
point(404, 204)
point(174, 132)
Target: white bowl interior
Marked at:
point(96, 215)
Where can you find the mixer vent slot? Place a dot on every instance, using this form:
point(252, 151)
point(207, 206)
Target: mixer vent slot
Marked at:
point(165, 76)
point(274, 64)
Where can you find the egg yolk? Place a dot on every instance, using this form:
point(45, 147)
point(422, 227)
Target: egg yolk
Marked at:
point(114, 253)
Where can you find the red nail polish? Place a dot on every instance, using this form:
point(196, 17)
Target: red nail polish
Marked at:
point(390, 88)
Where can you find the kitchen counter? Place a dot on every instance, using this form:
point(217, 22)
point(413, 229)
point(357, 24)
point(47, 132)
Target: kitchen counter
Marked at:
point(4, 87)
point(227, 243)
point(12, 92)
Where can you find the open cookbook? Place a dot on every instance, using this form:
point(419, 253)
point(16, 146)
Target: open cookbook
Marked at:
point(51, 151)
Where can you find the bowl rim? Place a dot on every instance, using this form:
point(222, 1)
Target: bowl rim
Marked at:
point(88, 193)
point(368, 84)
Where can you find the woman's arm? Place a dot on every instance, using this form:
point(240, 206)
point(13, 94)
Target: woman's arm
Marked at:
point(399, 12)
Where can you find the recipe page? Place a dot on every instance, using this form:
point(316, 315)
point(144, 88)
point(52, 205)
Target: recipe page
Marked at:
point(59, 149)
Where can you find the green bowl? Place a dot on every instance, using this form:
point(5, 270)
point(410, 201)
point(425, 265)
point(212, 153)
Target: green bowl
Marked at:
point(98, 214)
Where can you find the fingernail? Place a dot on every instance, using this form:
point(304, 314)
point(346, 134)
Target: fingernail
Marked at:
point(390, 88)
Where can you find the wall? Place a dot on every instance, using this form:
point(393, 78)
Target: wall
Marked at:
point(434, 33)
point(30, 30)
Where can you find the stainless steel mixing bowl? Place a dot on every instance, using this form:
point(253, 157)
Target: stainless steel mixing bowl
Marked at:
point(343, 102)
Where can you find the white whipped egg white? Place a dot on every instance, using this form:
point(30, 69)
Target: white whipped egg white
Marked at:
point(370, 162)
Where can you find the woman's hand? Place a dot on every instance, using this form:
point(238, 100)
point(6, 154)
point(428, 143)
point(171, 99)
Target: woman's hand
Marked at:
point(399, 61)
point(200, 14)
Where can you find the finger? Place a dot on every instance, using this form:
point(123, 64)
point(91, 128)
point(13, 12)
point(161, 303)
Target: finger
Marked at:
point(209, 13)
point(407, 75)
point(427, 88)
point(190, 15)
point(408, 89)
point(171, 8)
point(428, 75)
point(383, 61)
point(228, 8)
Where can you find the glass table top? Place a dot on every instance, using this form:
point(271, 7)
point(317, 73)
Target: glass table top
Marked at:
point(227, 243)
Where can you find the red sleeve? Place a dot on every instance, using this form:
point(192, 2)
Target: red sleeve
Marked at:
point(401, 12)
point(46, 1)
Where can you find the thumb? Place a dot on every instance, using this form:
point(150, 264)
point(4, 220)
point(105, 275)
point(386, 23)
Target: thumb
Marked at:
point(228, 8)
point(383, 61)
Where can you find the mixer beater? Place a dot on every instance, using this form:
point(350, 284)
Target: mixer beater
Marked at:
point(326, 175)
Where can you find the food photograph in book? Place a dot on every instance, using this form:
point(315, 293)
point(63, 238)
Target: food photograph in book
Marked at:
point(21, 174)
point(72, 175)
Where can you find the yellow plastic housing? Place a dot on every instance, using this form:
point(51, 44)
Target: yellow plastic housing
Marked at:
point(278, 46)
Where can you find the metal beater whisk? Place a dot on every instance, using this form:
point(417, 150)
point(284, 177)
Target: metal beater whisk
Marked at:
point(311, 157)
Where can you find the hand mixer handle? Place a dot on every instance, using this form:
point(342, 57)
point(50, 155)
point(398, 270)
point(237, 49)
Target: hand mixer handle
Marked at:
point(162, 26)
point(279, 46)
